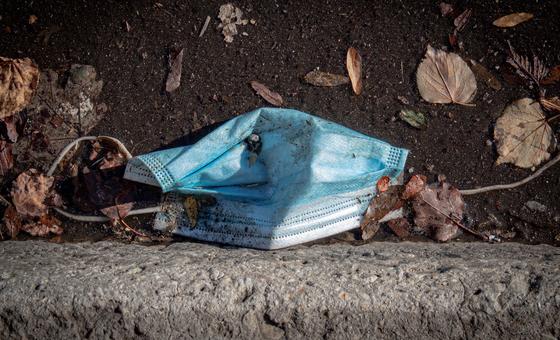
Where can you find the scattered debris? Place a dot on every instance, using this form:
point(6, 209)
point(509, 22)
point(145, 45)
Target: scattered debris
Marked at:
point(175, 68)
point(268, 95)
point(318, 78)
point(535, 206)
point(415, 119)
point(384, 206)
point(438, 210)
point(43, 227)
point(400, 226)
point(446, 9)
point(230, 17)
point(354, 67)
point(12, 221)
point(522, 134)
point(445, 78)
point(6, 157)
point(31, 193)
point(415, 184)
point(552, 77)
point(483, 74)
point(32, 19)
point(190, 204)
point(383, 184)
point(461, 21)
point(512, 20)
point(534, 71)
point(403, 100)
point(127, 26)
point(18, 81)
point(204, 27)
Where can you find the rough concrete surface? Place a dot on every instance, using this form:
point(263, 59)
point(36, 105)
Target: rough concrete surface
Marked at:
point(186, 290)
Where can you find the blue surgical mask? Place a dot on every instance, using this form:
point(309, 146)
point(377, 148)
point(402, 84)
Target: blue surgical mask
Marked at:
point(279, 177)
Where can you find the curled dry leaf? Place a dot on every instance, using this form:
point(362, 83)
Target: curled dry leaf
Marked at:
point(438, 208)
point(354, 67)
point(268, 95)
point(522, 134)
point(383, 184)
point(175, 68)
point(43, 227)
point(318, 78)
point(512, 19)
point(400, 226)
point(380, 206)
point(30, 192)
point(18, 81)
point(415, 184)
point(6, 157)
point(461, 21)
point(445, 78)
point(415, 119)
point(552, 77)
point(486, 76)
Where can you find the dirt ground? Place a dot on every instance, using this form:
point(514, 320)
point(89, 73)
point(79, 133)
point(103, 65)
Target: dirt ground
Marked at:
point(289, 39)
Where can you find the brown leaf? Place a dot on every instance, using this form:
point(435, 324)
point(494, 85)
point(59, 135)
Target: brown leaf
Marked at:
point(461, 21)
point(18, 81)
point(369, 229)
point(415, 184)
point(379, 207)
point(445, 78)
point(45, 226)
point(32, 19)
point(6, 157)
point(318, 78)
point(268, 95)
point(483, 74)
point(383, 184)
point(553, 76)
point(435, 209)
point(511, 20)
point(10, 124)
point(522, 134)
point(30, 190)
point(534, 71)
point(175, 69)
point(190, 204)
point(12, 220)
point(354, 67)
point(446, 9)
point(551, 104)
point(400, 226)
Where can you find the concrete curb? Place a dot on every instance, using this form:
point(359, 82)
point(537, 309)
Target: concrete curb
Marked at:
point(379, 290)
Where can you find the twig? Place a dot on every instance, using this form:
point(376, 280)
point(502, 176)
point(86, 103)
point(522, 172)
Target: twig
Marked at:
point(515, 184)
point(134, 231)
point(204, 27)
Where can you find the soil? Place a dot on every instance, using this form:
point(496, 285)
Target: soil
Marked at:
point(288, 40)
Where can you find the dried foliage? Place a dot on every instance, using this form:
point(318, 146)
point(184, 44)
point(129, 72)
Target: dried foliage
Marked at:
point(552, 77)
point(175, 68)
point(230, 17)
point(380, 206)
point(486, 76)
point(415, 184)
point(354, 67)
point(438, 208)
point(445, 78)
point(267, 94)
point(461, 20)
point(318, 78)
point(383, 184)
point(30, 192)
point(43, 227)
point(6, 157)
point(534, 71)
point(522, 134)
point(18, 81)
point(513, 19)
point(190, 204)
point(415, 119)
point(400, 226)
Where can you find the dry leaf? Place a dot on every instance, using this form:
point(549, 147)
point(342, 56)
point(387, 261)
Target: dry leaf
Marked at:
point(522, 134)
point(551, 104)
point(175, 68)
point(268, 95)
point(380, 206)
point(461, 21)
point(512, 19)
point(369, 229)
point(45, 226)
point(436, 208)
point(553, 76)
point(10, 123)
point(383, 184)
point(190, 204)
point(446, 9)
point(230, 17)
point(32, 19)
point(354, 67)
point(400, 227)
point(318, 78)
point(30, 191)
point(535, 71)
point(12, 220)
point(18, 80)
point(483, 74)
point(445, 78)
point(6, 157)
point(415, 184)
point(415, 119)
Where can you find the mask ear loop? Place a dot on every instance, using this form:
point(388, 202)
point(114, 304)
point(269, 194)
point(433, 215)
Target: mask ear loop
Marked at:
point(93, 218)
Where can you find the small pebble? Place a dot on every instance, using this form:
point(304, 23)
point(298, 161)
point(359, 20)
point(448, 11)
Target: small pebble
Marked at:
point(411, 170)
point(535, 206)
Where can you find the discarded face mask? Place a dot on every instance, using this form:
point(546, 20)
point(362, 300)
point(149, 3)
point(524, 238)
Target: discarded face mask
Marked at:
point(277, 177)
